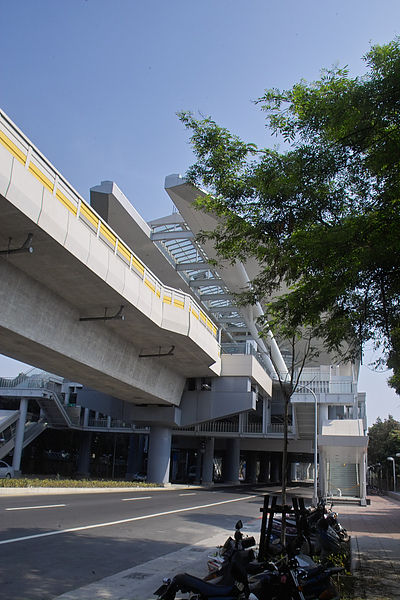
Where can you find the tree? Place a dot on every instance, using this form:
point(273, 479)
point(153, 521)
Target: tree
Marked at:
point(299, 350)
point(393, 361)
point(384, 441)
point(321, 218)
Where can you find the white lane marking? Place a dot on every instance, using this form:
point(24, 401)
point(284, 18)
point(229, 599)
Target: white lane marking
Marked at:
point(33, 507)
point(188, 494)
point(141, 498)
point(131, 520)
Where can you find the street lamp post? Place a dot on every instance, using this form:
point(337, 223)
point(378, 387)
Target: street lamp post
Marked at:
point(380, 475)
point(394, 471)
point(397, 455)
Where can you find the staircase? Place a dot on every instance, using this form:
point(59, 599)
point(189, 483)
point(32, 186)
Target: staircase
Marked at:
point(32, 430)
point(8, 418)
point(54, 411)
point(8, 423)
point(305, 420)
point(343, 481)
point(43, 388)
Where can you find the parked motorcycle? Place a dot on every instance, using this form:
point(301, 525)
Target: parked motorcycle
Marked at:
point(299, 579)
point(318, 527)
point(206, 590)
point(239, 547)
point(236, 574)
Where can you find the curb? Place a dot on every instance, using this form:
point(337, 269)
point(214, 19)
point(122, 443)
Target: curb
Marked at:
point(50, 490)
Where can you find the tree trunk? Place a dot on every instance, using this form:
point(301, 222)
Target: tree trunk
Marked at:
point(285, 465)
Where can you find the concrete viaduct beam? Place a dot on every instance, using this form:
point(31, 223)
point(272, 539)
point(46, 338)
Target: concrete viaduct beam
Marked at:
point(79, 269)
point(40, 328)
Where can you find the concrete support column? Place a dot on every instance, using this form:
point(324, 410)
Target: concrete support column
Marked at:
point(19, 436)
point(232, 460)
point(266, 415)
point(265, 465)
point(355, 407)
point(289, 470)
point(322, 476)
point(85, 444)
point(86, 415)
point(199, 462)
point(323, 415)
point(363, 480)
point(276, 467)
point(135, 455)
point(159, 455)
point(251, 467)
point(208, 462)
point(293, 471)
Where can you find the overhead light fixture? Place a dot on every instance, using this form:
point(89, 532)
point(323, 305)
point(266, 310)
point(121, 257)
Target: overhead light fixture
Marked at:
point(119, 316)
point(26, 247)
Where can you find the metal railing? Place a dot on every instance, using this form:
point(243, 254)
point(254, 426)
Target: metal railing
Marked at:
point(325, 382)
point(326, 387)
point(219, 427)
point(230, 427)
point(253, 428)
point(41, 380)
point(109, 424)
point(246, 349)
point(33, 378)
point(278, 428)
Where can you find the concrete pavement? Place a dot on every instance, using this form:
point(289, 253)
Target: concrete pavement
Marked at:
point(375, 540)
point(140, 583)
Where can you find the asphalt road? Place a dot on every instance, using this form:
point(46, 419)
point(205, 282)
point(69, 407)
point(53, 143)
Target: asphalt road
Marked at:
point(52, 544)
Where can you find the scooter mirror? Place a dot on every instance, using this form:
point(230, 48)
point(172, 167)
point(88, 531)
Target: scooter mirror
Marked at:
point(239, 525)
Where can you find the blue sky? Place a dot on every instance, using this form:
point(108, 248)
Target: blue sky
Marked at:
point(96, 84)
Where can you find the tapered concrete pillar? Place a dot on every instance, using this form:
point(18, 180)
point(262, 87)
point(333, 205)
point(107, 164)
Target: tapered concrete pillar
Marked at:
point(159, 455)
point(199, 464)
point(293, 471)
point(85, 445)
point(19, 436)
point(276, 467)
point(289, 471)
point(232, 461)
point(208, 462)
point(265, 465)
point(135, 455)
point(251, 467)
point(86, 414)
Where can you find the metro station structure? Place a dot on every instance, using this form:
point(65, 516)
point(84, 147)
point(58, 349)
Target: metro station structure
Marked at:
point(141, 332)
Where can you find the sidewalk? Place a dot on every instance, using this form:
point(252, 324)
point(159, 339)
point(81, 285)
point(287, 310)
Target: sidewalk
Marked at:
point(375, 541)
